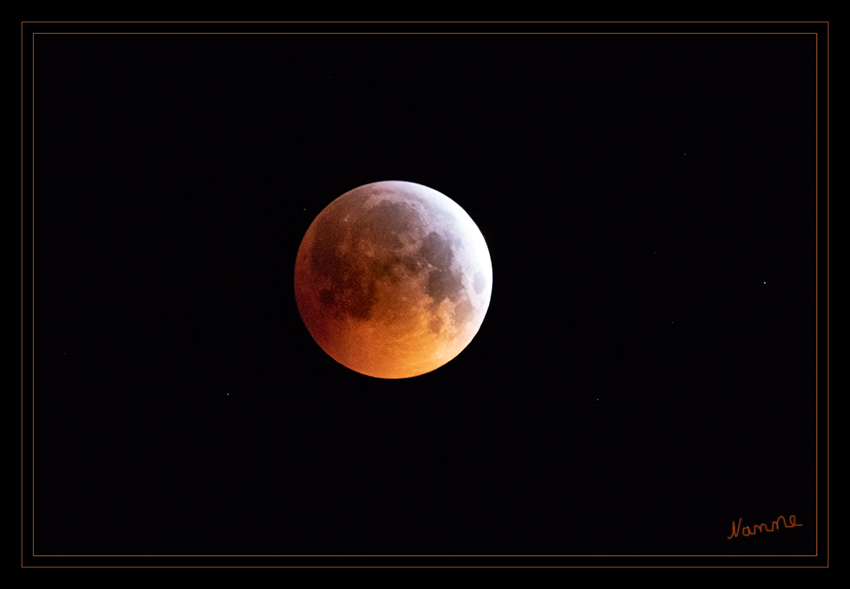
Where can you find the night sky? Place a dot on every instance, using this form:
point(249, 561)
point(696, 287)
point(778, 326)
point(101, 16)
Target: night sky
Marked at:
point(645, 374)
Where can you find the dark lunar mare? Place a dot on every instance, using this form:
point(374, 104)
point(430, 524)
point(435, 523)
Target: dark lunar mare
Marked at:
point(354, 255)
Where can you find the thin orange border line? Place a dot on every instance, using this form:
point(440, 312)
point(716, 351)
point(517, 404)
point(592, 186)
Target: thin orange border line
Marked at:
point(408, 33)
point(415, 33)
point(33, 295)
point(22, 297)
point(375, 566)
point(427, 22)
point(427, 555)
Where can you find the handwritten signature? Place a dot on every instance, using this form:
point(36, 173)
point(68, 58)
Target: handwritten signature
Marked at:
point(774, 525)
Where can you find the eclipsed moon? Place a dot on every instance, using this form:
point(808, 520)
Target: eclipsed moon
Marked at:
point(393, 279)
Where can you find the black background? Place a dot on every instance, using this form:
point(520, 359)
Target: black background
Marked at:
point(645, 373)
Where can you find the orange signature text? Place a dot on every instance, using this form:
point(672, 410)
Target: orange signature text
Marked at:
point(774, 525)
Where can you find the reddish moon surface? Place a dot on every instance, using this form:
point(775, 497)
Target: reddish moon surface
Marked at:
point(393, 279)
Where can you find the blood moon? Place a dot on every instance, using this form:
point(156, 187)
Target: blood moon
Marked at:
point(393, 279)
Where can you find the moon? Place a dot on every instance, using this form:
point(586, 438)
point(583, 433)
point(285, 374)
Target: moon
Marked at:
point(393, 279)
